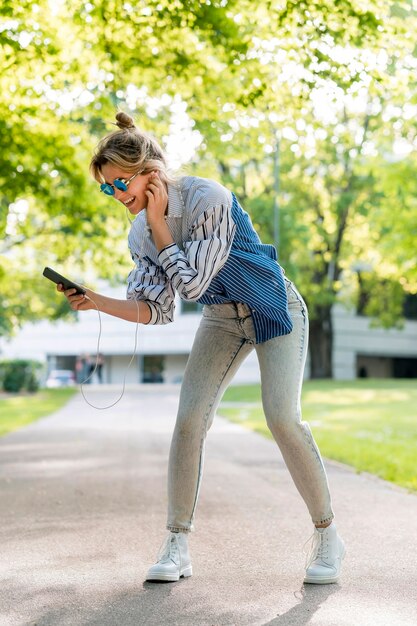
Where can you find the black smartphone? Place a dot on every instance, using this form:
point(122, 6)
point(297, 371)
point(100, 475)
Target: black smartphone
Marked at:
point(57, 278)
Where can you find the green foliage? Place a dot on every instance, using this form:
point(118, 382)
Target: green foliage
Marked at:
point(18, 375)
point(368, 424)
point(19, 410)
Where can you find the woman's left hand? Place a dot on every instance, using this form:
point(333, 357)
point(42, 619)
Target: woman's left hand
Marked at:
point(157, 204)
point(157, 194)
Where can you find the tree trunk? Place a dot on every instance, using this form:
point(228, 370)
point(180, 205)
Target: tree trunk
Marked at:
point(321, 344)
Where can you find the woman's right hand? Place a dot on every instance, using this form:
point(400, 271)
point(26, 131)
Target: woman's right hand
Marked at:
point(77, 302)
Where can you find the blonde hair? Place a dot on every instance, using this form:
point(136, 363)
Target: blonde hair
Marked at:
point(130, 149)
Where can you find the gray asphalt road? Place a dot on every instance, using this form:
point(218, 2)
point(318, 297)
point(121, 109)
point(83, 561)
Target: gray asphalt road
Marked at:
point(83, 515)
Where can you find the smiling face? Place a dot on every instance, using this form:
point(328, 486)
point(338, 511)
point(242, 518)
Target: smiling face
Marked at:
point(134, 198)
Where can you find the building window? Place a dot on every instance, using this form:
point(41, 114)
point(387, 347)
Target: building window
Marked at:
point(153, 368)
point(410, 307)
point(368, 366)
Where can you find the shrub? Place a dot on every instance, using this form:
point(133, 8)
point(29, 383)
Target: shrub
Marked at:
point(19, 374)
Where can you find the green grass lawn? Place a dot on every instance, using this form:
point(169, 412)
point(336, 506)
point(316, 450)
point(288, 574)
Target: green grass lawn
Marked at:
point(368, 424)
point(18, 410)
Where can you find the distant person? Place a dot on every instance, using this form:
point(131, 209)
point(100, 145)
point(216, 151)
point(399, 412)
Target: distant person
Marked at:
point(84, 367)
point(90, 365)
point(79, 368)
point(191, 235)
point(100, 363)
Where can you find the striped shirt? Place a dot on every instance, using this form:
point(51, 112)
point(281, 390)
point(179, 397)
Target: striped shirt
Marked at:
point(216, 257)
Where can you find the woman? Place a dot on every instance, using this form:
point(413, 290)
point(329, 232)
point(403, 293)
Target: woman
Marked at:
point(190, 235)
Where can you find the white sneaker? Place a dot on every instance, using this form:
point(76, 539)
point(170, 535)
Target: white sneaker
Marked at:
point(173, 559)
point(325, 559)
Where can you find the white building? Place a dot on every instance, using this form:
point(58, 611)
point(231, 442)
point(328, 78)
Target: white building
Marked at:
point(162, 351)
point(360, 350)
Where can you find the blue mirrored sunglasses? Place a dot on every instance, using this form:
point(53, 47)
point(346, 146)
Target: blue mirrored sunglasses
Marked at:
point(118, 183)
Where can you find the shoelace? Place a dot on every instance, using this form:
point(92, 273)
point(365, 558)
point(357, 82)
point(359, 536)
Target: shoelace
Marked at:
point(318, 548)
point(170, 548)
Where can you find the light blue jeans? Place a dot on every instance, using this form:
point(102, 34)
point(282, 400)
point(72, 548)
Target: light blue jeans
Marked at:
point(224, 339)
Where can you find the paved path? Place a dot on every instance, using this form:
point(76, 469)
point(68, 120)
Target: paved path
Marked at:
point(83, 513)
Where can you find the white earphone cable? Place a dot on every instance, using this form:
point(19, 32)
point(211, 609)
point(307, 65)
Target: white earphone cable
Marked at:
point(97, 357)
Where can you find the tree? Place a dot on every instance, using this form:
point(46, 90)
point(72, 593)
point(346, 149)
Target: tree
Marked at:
point(66, 67)
point(335, 205)
point(251, 77)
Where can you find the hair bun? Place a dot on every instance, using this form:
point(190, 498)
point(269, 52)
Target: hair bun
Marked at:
point(123, 120)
